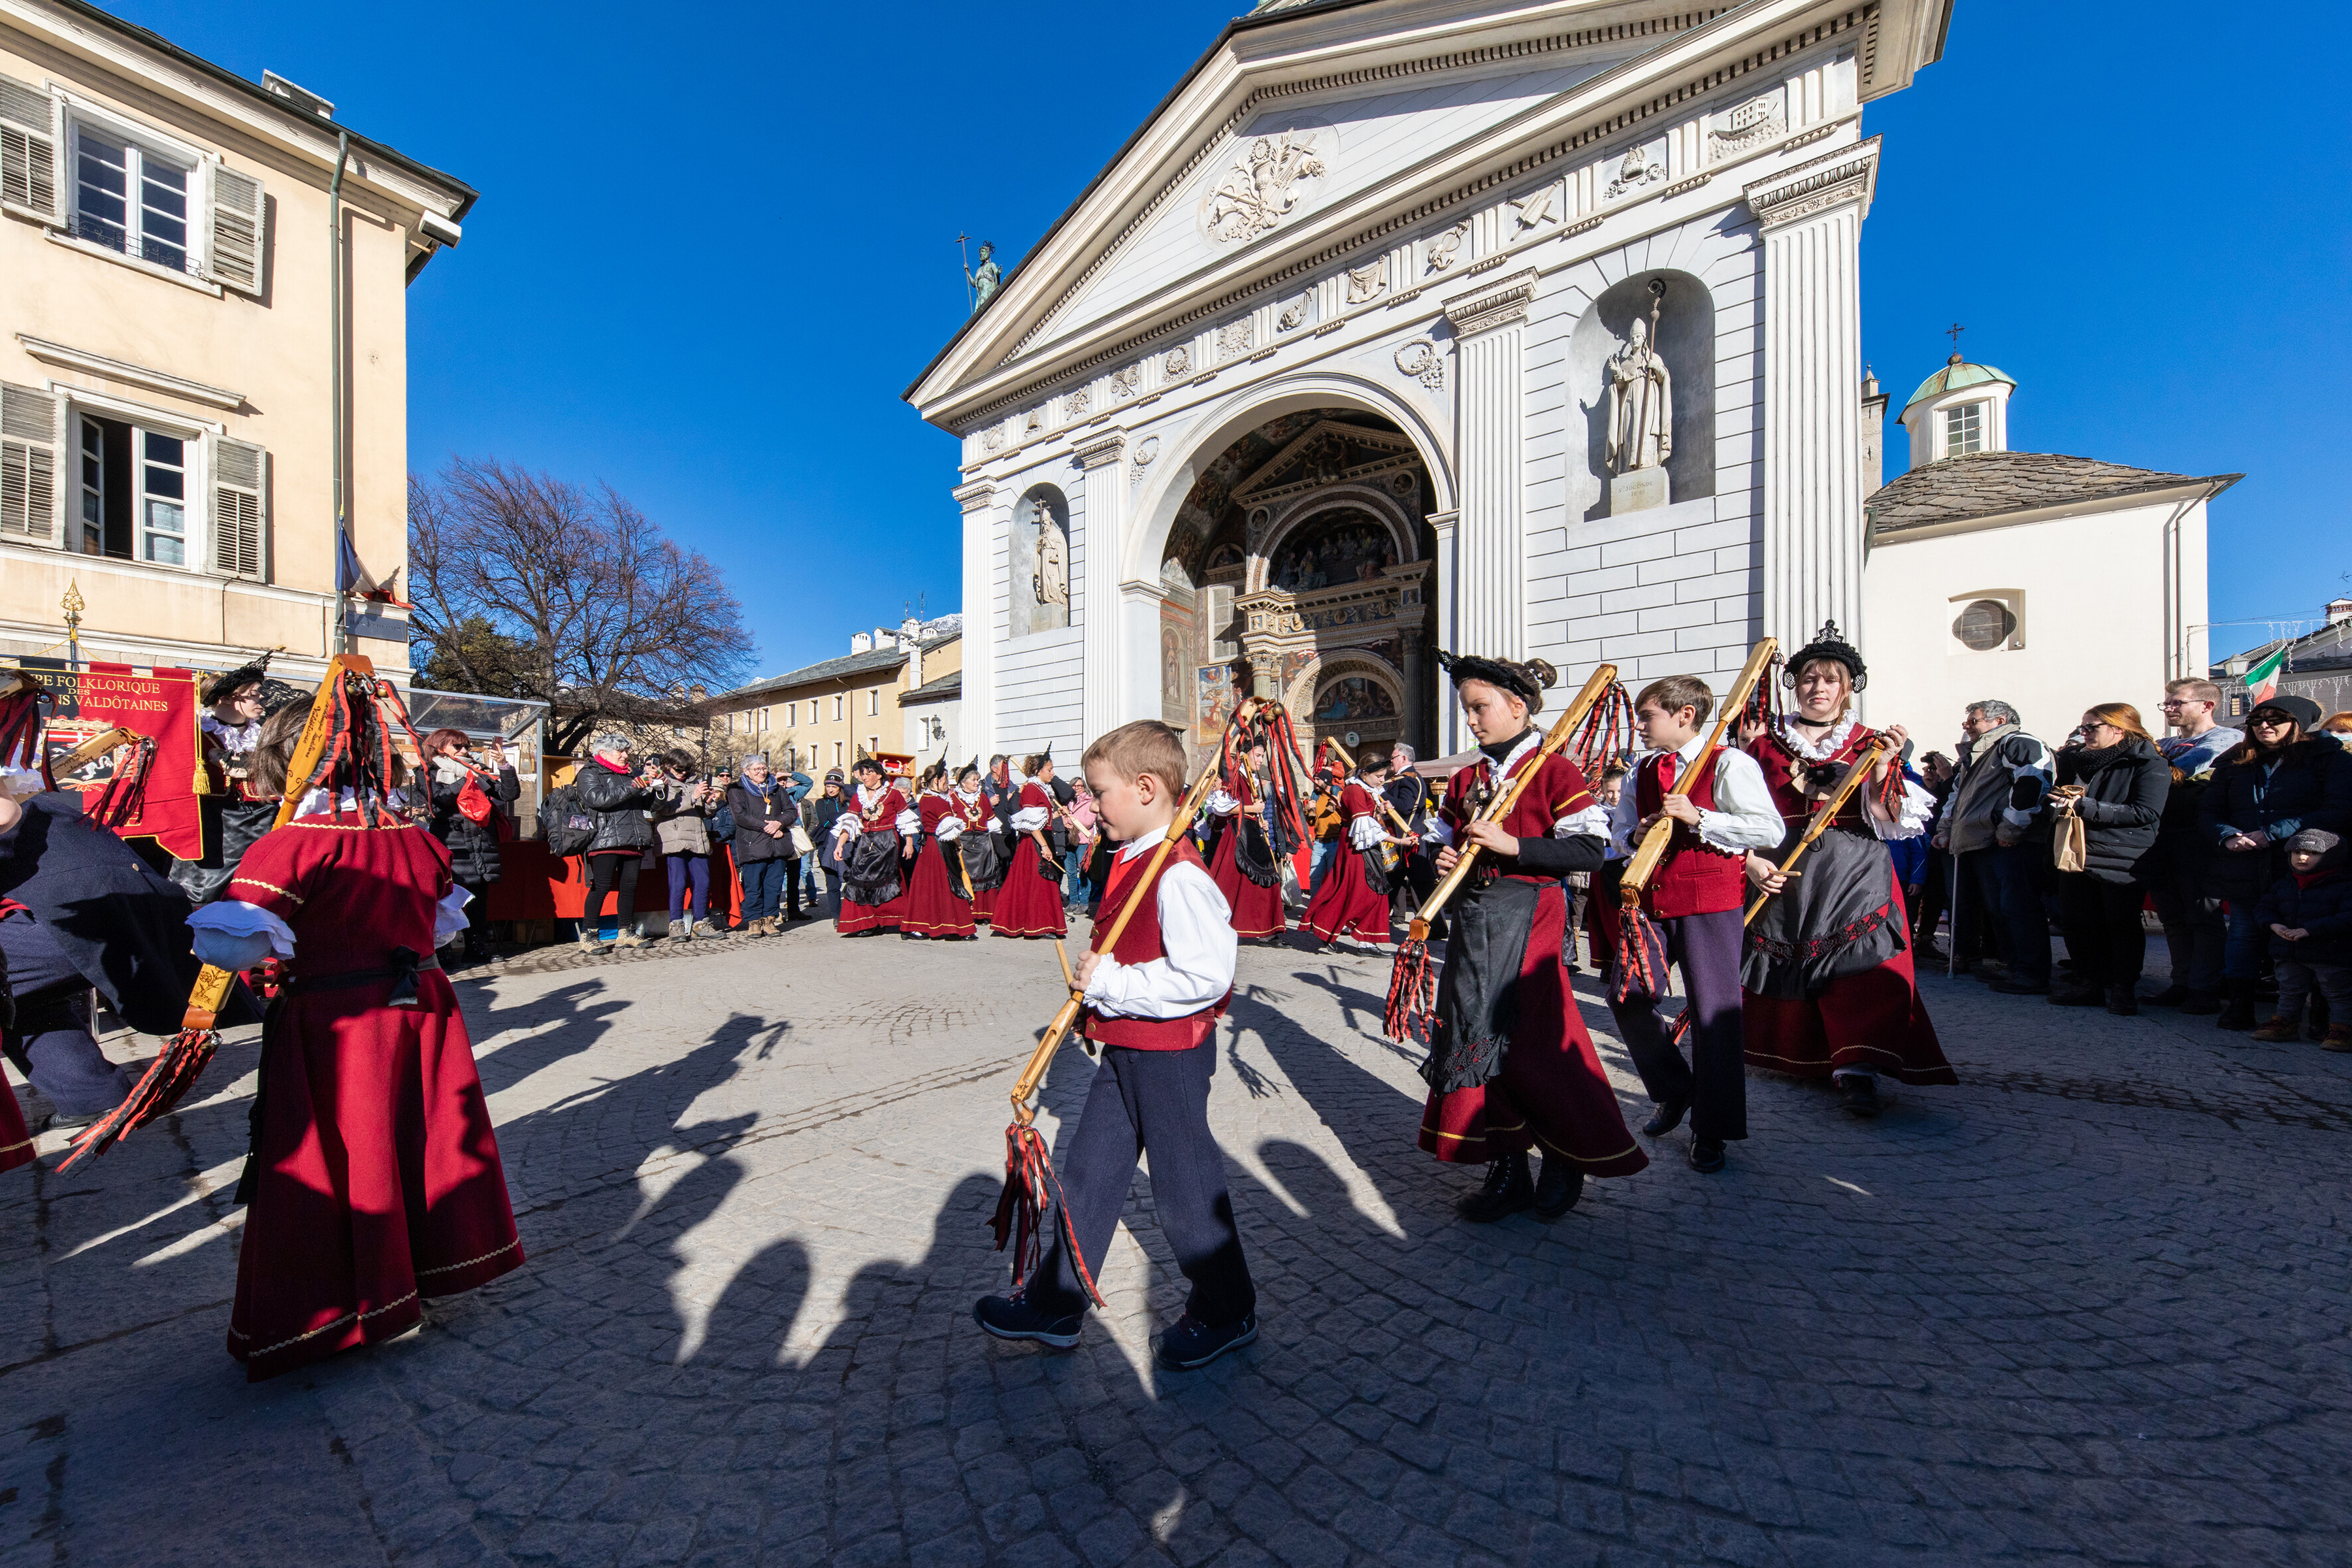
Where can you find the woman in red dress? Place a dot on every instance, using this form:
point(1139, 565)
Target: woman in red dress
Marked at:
point(1030, 902)
point(936, 905)
point(1830, 989)
point(878, 837)
point(1510, 1066)
point(374, 1178)
point(1244, 853)
point(978, 850)
point(1354, 897)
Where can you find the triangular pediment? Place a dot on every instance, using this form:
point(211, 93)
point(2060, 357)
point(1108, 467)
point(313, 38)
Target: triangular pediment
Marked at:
point(1327, 452)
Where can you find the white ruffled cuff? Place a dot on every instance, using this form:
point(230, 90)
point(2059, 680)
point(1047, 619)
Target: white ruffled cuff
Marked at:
point(233, 934)
point(1222, 805)
point(1364, 832)
point(449, 914)
point(1915, 814)
point(909, 822)
point(1029, 818)
point(948, 830)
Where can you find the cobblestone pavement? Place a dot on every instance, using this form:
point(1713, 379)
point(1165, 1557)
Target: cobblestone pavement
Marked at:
point(2089, 1306)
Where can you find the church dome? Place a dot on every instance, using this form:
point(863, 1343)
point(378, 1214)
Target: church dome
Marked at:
point(1957, 373)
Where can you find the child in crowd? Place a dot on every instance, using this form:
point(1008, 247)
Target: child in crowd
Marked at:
point(1153, 1002)
point(2308, 914)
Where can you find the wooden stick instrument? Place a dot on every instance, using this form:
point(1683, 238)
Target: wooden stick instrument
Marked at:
point(1105, 939)
point(95, 747)
point(1857, 774)
point(1596, 686)
point(1652, 850)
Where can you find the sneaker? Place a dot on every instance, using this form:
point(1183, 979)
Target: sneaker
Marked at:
point(589, 943)
point(681, 931)
point(2339, 1038)
point(1012, 1318)
point(628, 939)
point(1189, 1342)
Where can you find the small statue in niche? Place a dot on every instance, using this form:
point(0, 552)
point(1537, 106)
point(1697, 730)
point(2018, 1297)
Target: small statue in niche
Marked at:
point(1052, 578)
point(1641, 403)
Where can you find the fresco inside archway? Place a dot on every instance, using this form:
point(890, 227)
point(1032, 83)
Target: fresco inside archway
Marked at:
point(1304, 543)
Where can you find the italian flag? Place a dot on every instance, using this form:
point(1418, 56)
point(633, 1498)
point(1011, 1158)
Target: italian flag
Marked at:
point(2262, 682)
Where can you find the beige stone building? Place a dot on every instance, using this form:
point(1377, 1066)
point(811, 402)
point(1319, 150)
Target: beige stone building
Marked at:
point(826, 715)
point(171, 346)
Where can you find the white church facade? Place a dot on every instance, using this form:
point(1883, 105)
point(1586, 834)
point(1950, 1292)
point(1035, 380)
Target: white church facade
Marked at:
point(1529, 329)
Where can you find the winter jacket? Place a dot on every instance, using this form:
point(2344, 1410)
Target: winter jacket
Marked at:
point(473, 846)
point(2124, 788)
point(818, 819)
point(2002, 777)
point(753, 813)
point(2310, 786)
point(682, 821)
point(2182, 849)
point(621, 806)
point(2322, 908)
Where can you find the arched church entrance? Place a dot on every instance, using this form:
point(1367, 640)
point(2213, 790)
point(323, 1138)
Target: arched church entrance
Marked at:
point(1300, 568)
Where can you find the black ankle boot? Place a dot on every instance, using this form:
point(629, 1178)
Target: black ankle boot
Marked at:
point(1508, 1189)
point(1559, 1187)
point(2123, 1001)
point(2237, 1006)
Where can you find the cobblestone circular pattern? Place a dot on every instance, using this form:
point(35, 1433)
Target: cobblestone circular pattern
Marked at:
point(2089, 1306)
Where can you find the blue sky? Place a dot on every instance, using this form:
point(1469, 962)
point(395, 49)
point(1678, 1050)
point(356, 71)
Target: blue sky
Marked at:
point(706, 260)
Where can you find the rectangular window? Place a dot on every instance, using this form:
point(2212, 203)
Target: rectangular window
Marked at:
point(873, 745)
point(93, 488)
point(131, 199)
point(836, 753)
point(873, 701)
point(791, 714)
point(836, 712)
point(163, 498)
point(1964, 429)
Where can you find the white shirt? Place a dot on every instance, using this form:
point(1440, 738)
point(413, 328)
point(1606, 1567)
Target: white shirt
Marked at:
point(1744, 817)
point(1918, 808)
point(1196, 935)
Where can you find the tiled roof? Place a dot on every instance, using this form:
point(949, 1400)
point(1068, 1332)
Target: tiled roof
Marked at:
point(1992, 484)
point(931, 692)
point(846, 668)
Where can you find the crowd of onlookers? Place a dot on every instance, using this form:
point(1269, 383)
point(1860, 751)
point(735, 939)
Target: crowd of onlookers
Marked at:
point(2234, 838)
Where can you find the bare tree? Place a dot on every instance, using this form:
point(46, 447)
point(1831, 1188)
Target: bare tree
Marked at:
point(528, 585)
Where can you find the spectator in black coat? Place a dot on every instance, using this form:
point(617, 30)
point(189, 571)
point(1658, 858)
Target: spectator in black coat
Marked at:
point(2308, 915)
point(822, 811)
point(2111, 776)
point(2283, 780)
point(764, 857)
point(608, 784)
point(472, 846)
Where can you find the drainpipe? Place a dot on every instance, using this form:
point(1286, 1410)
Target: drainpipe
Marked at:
point(335, 376)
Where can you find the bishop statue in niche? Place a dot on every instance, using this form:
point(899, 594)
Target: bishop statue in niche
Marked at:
point(1052, 578)
point(1641, 403)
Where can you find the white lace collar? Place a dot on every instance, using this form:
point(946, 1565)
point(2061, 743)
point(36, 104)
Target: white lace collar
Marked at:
point(1528, 742)
point(1809, 750)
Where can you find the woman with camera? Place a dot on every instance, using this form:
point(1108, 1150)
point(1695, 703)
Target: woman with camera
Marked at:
point(2112, 779)
point(682, 828)
point(468, 796)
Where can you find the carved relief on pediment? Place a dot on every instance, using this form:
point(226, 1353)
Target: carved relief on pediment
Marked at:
point(1263, 184)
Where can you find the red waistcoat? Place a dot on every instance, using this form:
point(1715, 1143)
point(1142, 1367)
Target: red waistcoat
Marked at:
point(1696, 877)
point(1141, 943)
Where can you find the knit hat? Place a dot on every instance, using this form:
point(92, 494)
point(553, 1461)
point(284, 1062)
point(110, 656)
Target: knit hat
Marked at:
point(2313, 841)
point(2302, 709)
point(835, 775)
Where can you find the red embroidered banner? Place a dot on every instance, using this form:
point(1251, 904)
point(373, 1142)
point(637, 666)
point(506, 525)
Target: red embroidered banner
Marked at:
point(160, 704)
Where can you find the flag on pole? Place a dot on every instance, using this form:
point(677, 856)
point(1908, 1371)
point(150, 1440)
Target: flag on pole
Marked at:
point(2262, 682)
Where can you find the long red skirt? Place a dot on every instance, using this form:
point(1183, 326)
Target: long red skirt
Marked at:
point(16, 1140)
point(983, 905)
point(933, 905)
point(1346, 903)
point(379, 1179)
point(855, 918)
point(1552, 1093)
point(1027, 905)
point(1257, 911)
point(1872, 1019)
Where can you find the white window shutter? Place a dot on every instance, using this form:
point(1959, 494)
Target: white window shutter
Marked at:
point(28, 149)
point(28, 465)
point(240, 508)
point(234, 252)
point(1221, 620)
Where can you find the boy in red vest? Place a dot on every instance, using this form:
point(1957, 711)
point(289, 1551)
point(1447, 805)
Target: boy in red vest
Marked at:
point(1694, 907)
point(1153, 1003)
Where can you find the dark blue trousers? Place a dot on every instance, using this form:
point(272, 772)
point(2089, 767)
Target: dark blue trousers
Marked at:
point(1713, 1082)
point(1154, 1102)
point(53, 1046)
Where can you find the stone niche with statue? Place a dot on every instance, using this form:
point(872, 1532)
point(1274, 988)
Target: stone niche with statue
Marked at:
point(1314, 574)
